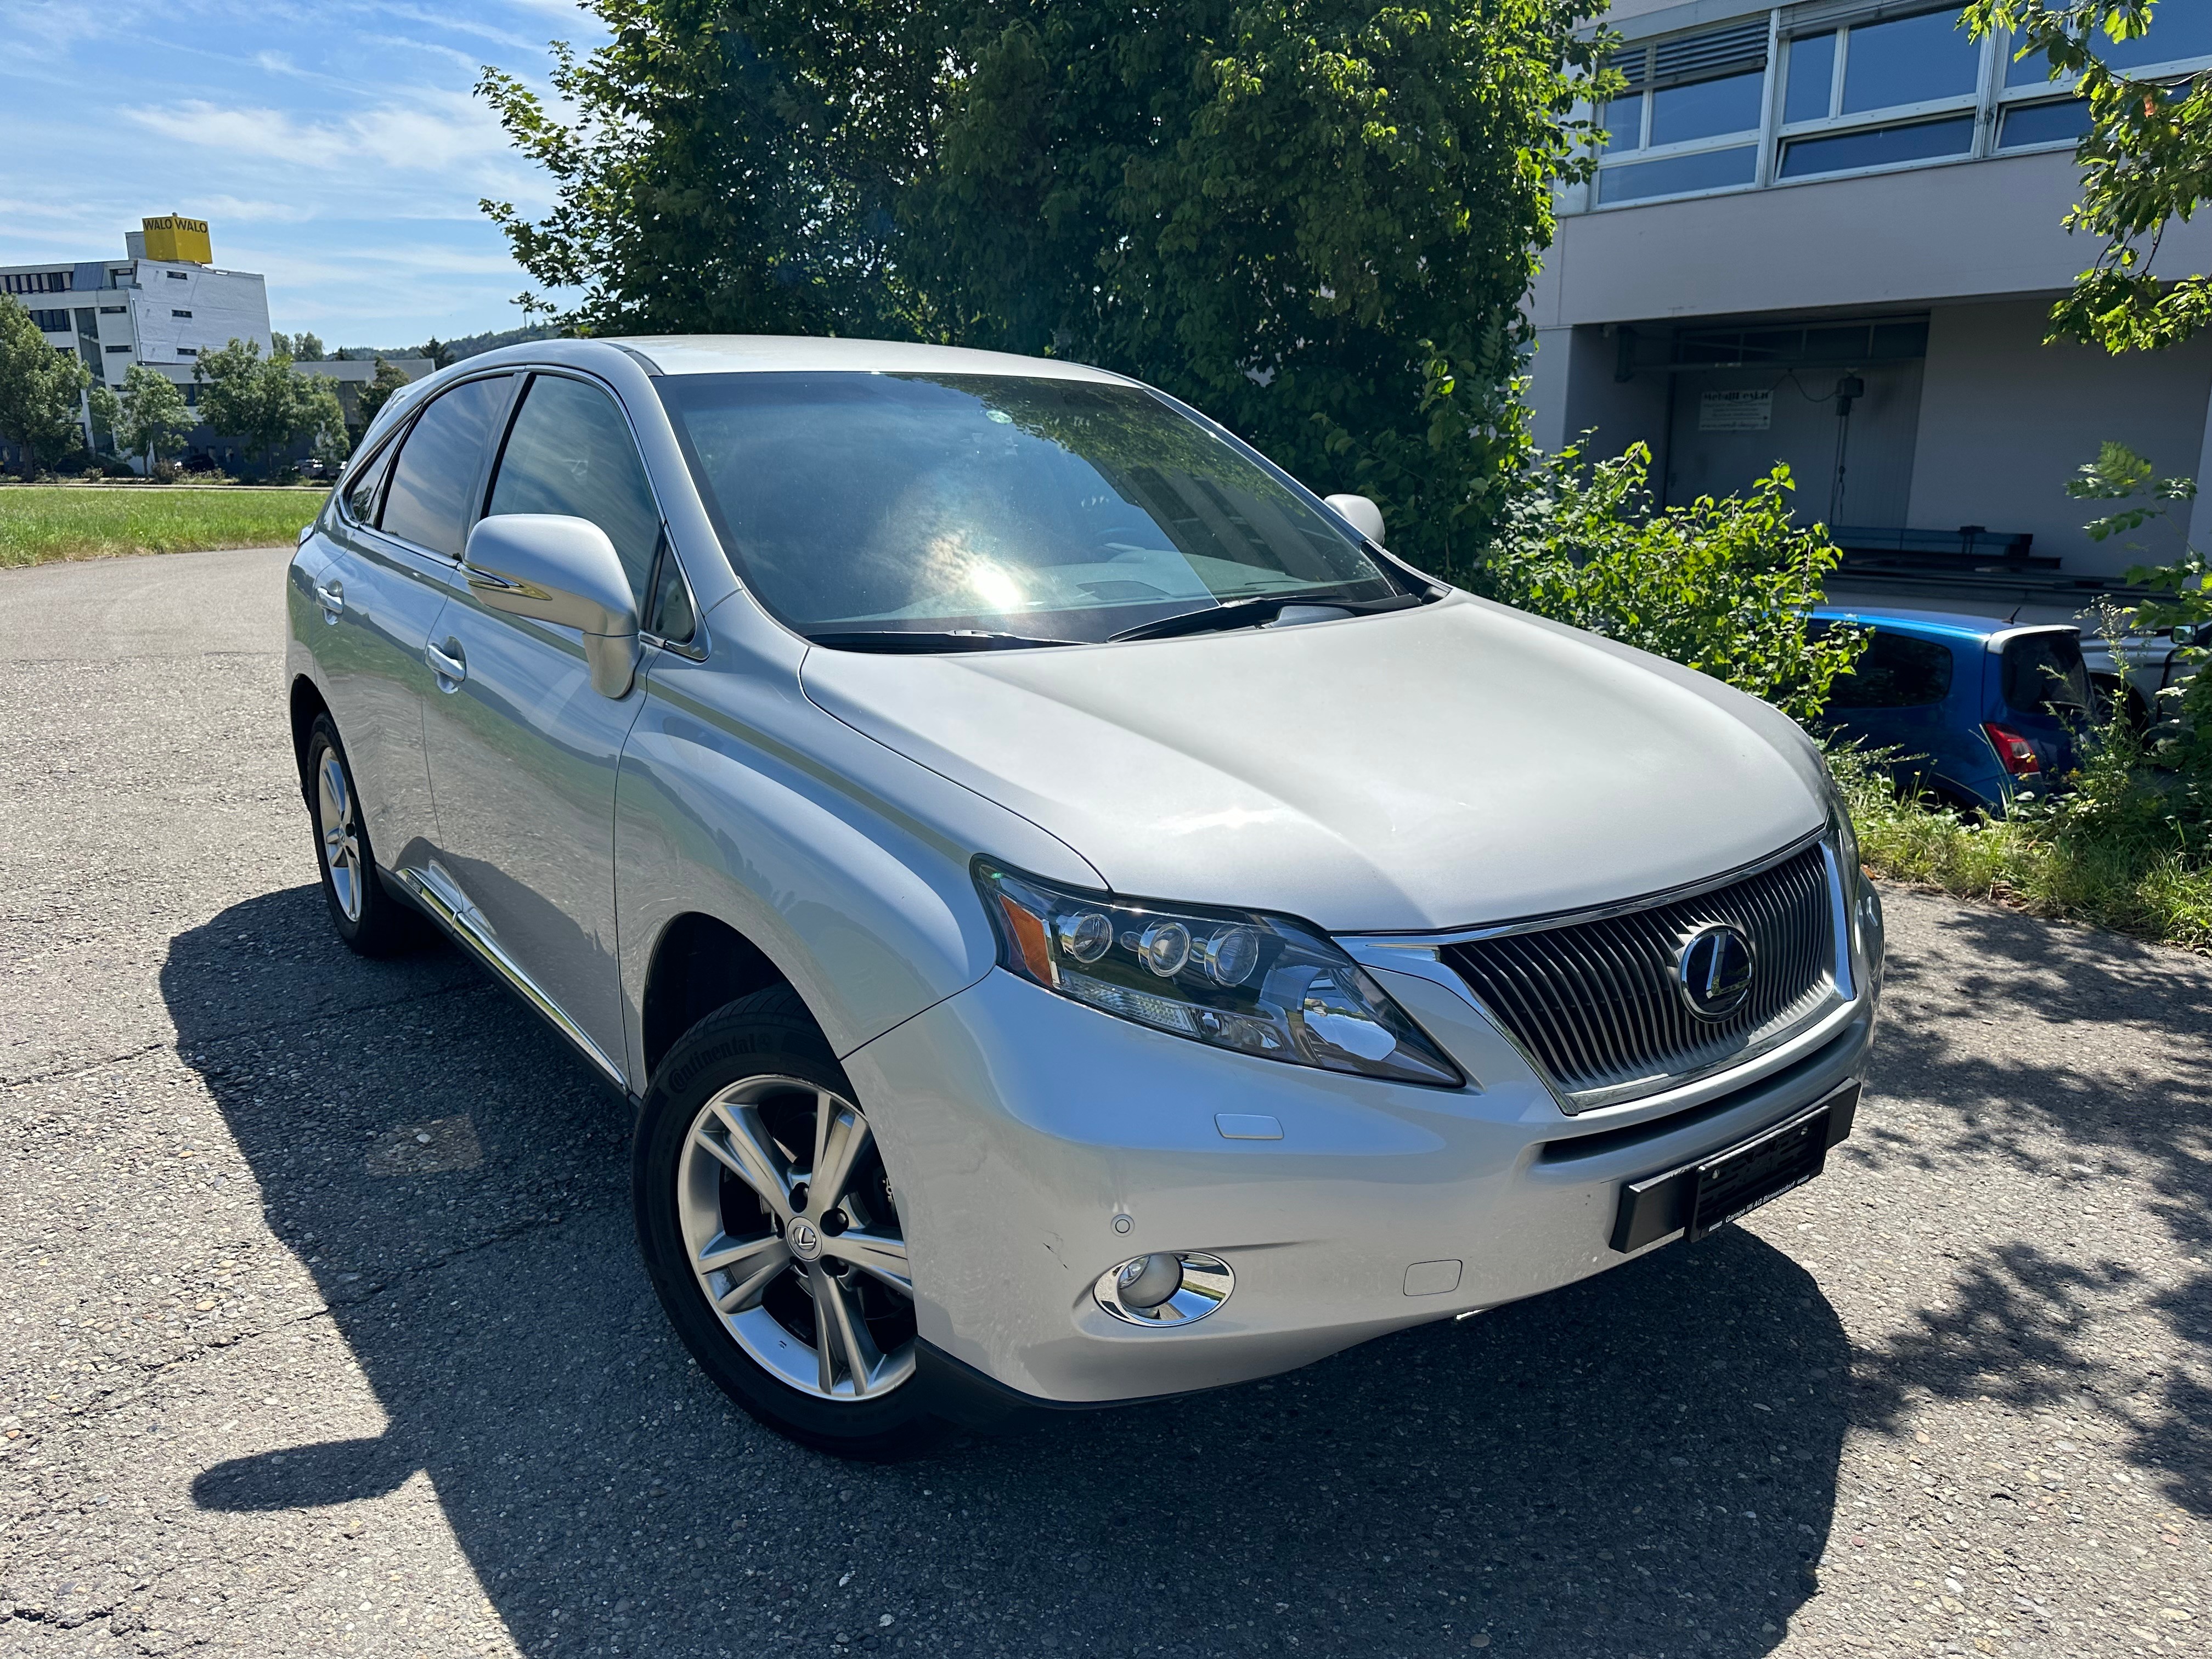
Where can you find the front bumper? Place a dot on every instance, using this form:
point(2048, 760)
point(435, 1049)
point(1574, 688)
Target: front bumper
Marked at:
point(1036, 1142)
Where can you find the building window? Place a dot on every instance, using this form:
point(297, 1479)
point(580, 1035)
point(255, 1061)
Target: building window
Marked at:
point(35, 282)
point(1846, 94)
point(52, 322)
point(180, 314)
point(119, 348)
point(188, 352)
point(1690, 116)
point(1918, 68)
point(176, 275)
point(113, 311)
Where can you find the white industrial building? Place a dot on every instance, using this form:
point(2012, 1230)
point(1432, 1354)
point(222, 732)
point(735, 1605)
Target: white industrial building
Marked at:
point(159, 312)
point(1805, 202)
point(163, 304)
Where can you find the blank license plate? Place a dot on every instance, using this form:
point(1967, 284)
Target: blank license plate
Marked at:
point(1714, 1191)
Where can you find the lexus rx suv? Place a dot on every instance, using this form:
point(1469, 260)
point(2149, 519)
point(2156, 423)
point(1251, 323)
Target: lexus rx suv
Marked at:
point(1076, 920)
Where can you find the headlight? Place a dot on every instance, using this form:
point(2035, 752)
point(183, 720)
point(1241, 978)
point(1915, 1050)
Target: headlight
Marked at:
point(1259, 984)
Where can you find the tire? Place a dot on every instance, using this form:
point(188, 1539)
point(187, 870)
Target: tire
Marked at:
point(371, 921)
point(746, 1252)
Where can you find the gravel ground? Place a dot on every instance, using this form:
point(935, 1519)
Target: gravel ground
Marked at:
point(321, 1330)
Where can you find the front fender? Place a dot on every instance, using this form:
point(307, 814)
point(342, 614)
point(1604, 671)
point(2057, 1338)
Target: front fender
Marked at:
point(846, 864)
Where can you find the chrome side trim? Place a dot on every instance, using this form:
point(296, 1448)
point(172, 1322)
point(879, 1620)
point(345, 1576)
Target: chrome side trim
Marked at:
point(1600, 912)
point(441, 896)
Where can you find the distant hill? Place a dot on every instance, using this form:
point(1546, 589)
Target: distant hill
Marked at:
point(466, 345)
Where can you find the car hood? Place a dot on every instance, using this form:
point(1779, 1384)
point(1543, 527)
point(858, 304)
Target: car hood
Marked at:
point(1455, 764)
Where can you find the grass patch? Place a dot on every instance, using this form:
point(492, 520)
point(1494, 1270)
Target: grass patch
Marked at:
point(40, 525)
point(2125, 850)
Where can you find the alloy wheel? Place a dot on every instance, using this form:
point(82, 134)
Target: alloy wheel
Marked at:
point(340, 829)
point(793, 1237)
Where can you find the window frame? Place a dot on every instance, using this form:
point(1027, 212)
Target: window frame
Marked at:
point(471, 501)
point(1989, 103)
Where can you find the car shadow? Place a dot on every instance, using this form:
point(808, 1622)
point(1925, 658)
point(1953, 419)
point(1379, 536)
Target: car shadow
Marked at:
point(1642, 1463)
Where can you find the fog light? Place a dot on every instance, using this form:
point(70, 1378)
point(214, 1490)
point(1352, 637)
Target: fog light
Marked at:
point(1148, 1281)
point(1164, 1288)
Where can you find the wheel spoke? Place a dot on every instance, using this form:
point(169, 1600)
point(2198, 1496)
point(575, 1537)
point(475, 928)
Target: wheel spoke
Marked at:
point(877, 1254)
point(840, 1331)
point(840, 1136)
point(752, 1266)
point(751, 1155)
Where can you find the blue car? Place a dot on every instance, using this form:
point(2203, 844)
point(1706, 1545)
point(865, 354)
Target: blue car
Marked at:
point(1975, 708)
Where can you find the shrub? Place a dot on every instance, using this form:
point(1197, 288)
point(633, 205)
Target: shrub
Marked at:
point(1723, 586)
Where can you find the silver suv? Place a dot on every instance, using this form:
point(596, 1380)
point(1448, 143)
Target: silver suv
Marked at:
point(1077, 919)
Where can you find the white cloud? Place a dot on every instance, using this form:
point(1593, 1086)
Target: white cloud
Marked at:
point(458, 130)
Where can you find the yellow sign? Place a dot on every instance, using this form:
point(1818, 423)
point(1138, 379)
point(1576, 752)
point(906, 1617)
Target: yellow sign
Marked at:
point(182, 239)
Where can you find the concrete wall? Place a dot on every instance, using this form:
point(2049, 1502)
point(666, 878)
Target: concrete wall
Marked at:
point(2006, 420)
point(1966, 230)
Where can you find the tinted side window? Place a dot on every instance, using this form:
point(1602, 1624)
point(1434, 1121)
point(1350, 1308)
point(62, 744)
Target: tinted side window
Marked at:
point(361, 494)
point(570, 451)
point(2043, 674)
point(427, 502)
point(1894, 672)
point(671, 616)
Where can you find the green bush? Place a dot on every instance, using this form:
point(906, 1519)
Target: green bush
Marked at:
point(1723, 586)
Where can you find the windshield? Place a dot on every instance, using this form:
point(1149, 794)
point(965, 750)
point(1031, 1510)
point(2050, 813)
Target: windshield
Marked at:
point(858, 503)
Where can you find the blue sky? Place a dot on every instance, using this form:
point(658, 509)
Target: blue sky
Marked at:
point(334, 146)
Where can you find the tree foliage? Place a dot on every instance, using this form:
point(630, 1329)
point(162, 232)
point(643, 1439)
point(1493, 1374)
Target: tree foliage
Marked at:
point(267, 401)
point(1723, 586)
point(39, 388)
point(370, 400)
point(153, 418)
point(2146, 161)
point(1314, 219)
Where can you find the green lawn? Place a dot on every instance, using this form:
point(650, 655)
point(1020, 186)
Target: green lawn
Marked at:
point(40, 525)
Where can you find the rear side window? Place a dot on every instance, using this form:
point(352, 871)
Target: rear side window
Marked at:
point(361, 494)
point(1894, 672)
point(427, 502)
point(570, 451)
point(2043, 674)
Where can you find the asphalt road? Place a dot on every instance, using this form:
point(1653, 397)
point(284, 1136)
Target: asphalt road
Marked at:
point(321, 1330)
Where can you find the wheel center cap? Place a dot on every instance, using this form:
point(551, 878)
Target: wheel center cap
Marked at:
point(803, 1238)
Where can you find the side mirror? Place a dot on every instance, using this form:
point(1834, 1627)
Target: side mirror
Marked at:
point(1360, 513)
point(553, 568)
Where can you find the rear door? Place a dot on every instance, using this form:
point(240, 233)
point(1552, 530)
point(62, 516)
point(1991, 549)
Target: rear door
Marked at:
point(523, 752)
point(2042, 687)
point(1895, 698)
point(393, 552)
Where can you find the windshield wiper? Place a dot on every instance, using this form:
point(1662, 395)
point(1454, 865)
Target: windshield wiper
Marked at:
point(1258, 613)
point(945, 639)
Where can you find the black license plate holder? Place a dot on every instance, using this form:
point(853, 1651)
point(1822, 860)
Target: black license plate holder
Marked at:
point(1694, 1198)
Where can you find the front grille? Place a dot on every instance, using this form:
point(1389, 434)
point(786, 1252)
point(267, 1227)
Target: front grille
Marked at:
point(1595, 1001)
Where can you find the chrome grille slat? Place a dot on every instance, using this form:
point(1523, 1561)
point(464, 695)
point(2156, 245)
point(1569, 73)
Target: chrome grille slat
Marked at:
point(1594, 1002)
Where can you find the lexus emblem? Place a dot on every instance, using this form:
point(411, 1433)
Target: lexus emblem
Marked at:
point(1712, 970)
point(806, 1244)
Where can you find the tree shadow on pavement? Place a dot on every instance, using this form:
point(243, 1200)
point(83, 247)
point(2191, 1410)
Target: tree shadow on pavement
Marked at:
point(1643, 1464)
point(2100, 1072)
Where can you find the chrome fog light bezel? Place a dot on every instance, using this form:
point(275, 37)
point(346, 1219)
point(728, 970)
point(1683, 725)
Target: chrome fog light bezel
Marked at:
point(1207, 1281)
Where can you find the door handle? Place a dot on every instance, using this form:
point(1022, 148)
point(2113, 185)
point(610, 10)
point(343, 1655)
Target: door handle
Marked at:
point(451, 668)
point(331, 598)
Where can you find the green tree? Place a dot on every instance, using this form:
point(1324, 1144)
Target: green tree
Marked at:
point(729, 167)
point(373, 396)
point(38, 389)
point(300, 348)
point(107, 416)
point(1315, 219)
point(1723, 586)
point(268, 402)
point(2146, 162)
point(153, 418)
